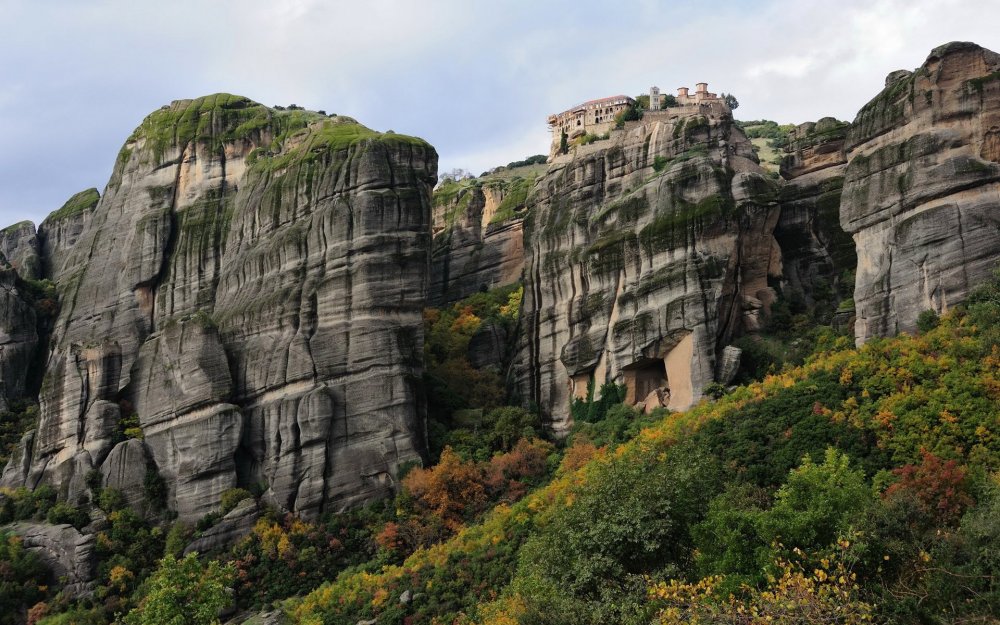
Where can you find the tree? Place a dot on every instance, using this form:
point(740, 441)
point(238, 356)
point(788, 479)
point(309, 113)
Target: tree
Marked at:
point(731, 101)
point(184, 592)
point(22, 577)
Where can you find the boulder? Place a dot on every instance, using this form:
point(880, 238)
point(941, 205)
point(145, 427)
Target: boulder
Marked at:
point(236, 524)
point(68, 553)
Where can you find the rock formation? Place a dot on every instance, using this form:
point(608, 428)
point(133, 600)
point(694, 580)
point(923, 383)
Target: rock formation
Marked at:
point(65, 551)
point(61, 230)
point(18, 335)
point(251, 282)
point(478, 234)
point(646, 254)
point(921, 188)
point(818, 257)
point(19, 245)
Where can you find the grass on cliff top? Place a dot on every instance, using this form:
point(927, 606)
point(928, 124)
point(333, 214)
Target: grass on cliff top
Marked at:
point(515, 199)
point(327, 137)
point(79, 203)
point(17, 226)
point(769, 157)
point(222, 117)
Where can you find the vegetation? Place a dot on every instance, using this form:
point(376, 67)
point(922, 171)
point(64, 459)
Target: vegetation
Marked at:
point(861, 481)
point(183, 592)
point(79, 203)
point(23, 580)
point(19, 417)
point(458, 395)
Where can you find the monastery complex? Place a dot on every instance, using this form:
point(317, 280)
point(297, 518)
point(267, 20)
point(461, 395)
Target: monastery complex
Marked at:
point(597, 117)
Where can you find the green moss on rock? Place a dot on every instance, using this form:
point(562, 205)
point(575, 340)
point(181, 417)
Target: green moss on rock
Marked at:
point(79, 203)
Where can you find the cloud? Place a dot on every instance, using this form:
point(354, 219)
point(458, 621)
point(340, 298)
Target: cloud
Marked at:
point(475, 79)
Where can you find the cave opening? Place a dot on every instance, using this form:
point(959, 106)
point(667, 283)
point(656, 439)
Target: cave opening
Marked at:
point(643, 377)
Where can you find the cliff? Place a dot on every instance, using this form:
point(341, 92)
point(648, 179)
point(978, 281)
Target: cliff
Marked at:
point(18, 335)
point(61, 230)
point(249, 285)
point(818, 257)
point(19, 245)
point(478, 233)
point(646, 254)
point(920, 190)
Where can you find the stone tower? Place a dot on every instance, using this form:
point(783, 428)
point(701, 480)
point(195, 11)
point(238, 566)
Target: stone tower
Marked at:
point(654, 98)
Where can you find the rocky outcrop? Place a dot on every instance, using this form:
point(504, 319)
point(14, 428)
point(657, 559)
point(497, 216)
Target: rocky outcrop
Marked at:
point(818, 257)
point(646, 254)
point(19, 245)
point(125, 470)
point(67, 553)
point(18, 336)
point(478, 234)
point(236, 524)
point(182, 385)
point(251, 281)
point(921, 188)
point(62, 229)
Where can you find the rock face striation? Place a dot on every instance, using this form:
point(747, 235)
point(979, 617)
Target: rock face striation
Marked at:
point(818, 257)
point(61, 230)
point(478, 235)
point(646, 254)
point(66, 552)
point(249, 285)
point(18, 335)
point(921, 188)
point(20, 246)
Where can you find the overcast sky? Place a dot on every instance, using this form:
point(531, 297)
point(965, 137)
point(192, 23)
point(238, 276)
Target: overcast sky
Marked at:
point(474, 78)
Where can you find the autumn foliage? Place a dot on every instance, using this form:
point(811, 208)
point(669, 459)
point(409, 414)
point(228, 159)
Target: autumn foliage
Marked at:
point(939, 487)
point(438, 501)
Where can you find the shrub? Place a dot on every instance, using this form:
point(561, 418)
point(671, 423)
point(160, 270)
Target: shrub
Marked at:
point(231, 498)
point(111, 499)
point(154, 489)
point(22, 577)
point(590, 410)
point(927, 321)
point(184, 592)
point(64, 513)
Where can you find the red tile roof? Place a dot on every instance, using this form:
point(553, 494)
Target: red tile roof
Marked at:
point(608, 99)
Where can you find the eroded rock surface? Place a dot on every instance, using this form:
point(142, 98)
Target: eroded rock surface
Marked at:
point(18, 336)
point(646, 254)
point(922, 189)
point(67, 552)
point(62, 229)
point(818, 257)
point(251, 284)
point(20, 246)
point(478, 235)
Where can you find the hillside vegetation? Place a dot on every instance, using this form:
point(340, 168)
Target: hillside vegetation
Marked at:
point(859, 487)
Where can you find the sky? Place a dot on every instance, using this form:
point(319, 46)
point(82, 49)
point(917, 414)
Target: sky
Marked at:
point(476, 79)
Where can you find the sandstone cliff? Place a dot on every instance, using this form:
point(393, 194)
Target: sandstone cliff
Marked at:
point(921, 188)
point(250, 284)
point(818, 257)
point(18, 335)
point(646, 254)
point(61, 230)
point(19, 245)
point(478, 233)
